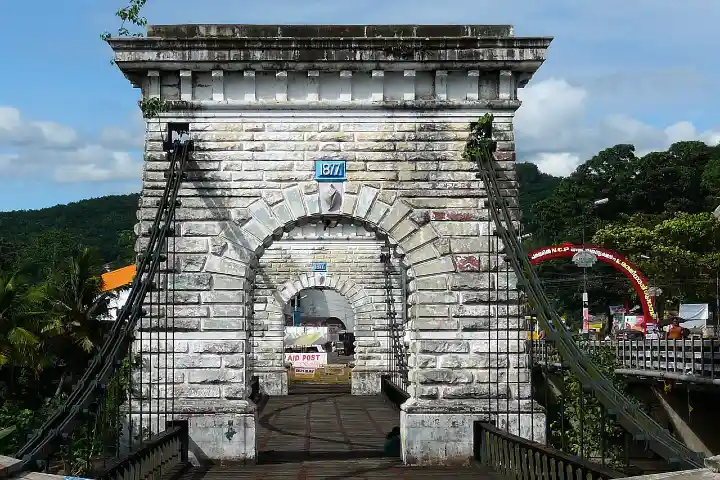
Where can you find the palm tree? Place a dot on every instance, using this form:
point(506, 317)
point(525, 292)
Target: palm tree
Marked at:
point(77, 301)
point(20, 323)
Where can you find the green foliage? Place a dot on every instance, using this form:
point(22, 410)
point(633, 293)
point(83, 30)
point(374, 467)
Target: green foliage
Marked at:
point(584, 429)
point(47, 333)
point(19, 324)
point(99, 430)
point(152, 107)
point(683, 246)
point(12, 414)
point(37, 242)
point(129, 15)
point(479, 142)
point(535, 186)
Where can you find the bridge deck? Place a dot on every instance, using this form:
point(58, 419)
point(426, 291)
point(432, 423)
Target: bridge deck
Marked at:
point(330, 435)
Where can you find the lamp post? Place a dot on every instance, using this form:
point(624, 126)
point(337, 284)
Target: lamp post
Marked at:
point(587, 260)
point(716, 214)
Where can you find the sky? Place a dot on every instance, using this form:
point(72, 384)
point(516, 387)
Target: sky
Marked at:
point(638, 71)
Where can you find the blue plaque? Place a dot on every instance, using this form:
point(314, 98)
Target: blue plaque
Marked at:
point(319, 266)
point(330, 170)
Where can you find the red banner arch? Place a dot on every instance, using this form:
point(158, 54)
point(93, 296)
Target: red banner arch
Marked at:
point(617, 261)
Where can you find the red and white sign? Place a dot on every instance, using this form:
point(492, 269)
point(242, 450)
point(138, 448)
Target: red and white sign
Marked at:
point(306, 360)
point(614, 259)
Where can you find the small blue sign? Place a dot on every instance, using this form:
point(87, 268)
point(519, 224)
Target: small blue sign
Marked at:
point(330, 170)
point(319, 266)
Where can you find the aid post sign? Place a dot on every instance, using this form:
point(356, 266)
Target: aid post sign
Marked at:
point(306, 360)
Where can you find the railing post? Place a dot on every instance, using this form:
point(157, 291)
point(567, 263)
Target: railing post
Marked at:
point(184, 438)
point(477, 441)
point(712, 357)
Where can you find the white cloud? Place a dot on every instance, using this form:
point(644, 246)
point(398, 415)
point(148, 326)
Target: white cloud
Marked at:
point(557, 164)
point(15, 130)
point(132, 136)
point(103, 166)
point(7, 160)
point(49, 149)
point(555, 132)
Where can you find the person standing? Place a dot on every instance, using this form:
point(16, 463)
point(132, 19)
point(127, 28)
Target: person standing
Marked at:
point(675, 332)
point(392, 446)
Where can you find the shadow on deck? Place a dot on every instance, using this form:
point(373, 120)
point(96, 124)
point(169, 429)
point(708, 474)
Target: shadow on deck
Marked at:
point(323, 432)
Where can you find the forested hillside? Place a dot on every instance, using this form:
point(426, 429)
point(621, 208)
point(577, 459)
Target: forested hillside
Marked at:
point(37, 239)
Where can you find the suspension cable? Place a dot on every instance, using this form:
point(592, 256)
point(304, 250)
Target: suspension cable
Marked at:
point(633, 419)
point(118, 341)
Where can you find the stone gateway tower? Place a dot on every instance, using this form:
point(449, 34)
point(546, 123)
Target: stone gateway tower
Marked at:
point(306, 138)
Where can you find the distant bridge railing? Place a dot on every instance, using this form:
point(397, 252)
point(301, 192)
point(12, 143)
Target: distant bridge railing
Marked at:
point(690, 360)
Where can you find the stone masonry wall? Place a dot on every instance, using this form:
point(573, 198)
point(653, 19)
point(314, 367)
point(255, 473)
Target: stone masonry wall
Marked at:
point(405, 174)
point(251, 178)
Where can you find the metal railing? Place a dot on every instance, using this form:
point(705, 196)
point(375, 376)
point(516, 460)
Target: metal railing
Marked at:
point(398, 360)
point(516, 457)
point(394, 393)
point(163, 456)
point(690, 359)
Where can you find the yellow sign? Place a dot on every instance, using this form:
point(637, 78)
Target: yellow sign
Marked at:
point(326, 374)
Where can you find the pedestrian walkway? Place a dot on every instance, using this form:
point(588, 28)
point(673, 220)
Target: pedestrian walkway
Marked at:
point(323, 432)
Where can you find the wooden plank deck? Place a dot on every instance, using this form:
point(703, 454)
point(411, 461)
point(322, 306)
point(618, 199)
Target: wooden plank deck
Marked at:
point(330, 435)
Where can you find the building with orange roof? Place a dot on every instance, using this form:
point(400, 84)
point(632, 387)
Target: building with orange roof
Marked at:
point(117, 279)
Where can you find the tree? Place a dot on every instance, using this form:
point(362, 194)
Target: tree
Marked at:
point(126, 248)
point(19, 324)
point(562, 216)
point(683, 252)
point(9, 254)
point(78, 302)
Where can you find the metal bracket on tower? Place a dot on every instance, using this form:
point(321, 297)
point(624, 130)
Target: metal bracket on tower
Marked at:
point(177, 134)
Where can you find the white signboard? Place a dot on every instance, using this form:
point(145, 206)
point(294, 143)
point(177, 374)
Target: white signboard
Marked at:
point(695, 315)
point(306, 360)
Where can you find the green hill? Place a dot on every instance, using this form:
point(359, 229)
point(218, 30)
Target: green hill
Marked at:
point(37, 239)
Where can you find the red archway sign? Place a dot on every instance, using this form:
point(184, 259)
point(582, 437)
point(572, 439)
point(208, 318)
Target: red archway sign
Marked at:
point(617, 261)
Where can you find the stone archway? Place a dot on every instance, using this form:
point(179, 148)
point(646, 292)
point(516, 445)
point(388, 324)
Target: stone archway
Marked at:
point(272, 373)
point(236, 251)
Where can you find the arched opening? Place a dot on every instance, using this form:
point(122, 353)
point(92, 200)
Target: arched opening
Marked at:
point(313, 325)
point(320, 307)
point(611, 258)
point(314, 272)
